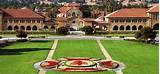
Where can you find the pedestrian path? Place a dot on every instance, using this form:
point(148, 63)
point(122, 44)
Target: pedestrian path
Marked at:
point(107, 56)
point(104, 51)
point(50, 54)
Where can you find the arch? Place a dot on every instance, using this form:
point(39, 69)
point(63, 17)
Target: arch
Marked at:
point(22, 28)
point(121, 27)
point(16, 27)
point(52, 27)
point(9, 27)
point(74, 22)
point(134, 27)
point(140, 27)
point(34, 28)
point(115, 27)
point(73, 14)
point(156, 26)
point(128, 27)
point(28, 28)
point(45, 27)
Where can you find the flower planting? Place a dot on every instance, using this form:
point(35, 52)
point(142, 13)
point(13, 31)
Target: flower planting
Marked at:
point(77, 64)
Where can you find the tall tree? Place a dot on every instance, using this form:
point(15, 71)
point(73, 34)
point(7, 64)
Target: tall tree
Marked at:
point(109, 5)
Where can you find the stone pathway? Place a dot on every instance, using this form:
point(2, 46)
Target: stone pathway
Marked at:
point(106, 54)
point(50, 54)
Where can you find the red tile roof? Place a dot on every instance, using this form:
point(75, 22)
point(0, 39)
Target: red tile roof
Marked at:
point(68, 6)
point(22, 13)
point(129, 13)
point(64, 9)
point(154, 9)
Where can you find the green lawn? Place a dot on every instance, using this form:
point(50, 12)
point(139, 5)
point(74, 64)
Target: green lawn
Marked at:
point(139, 58)
point(78, 48)
point(19, 58)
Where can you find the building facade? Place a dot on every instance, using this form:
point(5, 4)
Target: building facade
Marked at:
point(24, 19)
point(133, 19)
point(70, 15)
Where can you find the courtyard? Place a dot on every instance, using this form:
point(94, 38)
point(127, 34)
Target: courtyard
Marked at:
point(139, 58)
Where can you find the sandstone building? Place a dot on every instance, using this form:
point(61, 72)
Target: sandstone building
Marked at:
point(25, 19)
point(133, 19)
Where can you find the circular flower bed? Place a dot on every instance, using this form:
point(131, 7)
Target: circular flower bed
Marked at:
point(80, 63)
point(49, 64)
point(108, 64)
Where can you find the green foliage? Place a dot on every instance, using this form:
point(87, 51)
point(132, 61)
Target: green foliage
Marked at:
point(86, 10)
point(21, 34)
point(146, 33)
point(88, 30)
point(62, 30)
point(111, 5)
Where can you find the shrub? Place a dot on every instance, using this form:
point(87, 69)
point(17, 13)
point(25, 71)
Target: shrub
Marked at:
point(21, 34)
point(145, 34)
point(62, 30)
point(88, 30)
point(22, 40)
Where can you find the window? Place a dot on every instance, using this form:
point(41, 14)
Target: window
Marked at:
point(28, 28)
point(45, 27)
point(16, 27)
point(33, 21)
point(121, 20)
point(22, 28)
point(134, 20)
point(15, 21)
point(115, 21)
point(156, 26)
point(140, 27)
point(22, 21)
point(34, 28)
point(128, 20)
point(9, 27)
point(134, 27)
point(28, 21)
point(128, 28)
point(144, 20)
point(38, 21)
point(121, 28)
point(115, 27)
point(73, 14)
point(10, 21)
point(139, 20)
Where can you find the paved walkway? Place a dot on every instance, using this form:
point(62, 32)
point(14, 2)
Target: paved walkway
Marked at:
point(50, 54)
point(106, 54)
point(104, 51)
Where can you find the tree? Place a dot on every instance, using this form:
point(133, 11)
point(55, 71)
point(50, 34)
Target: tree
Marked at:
point(21, 34)
point(62, 30)
point(109, 5)
point(86, 10)
point(88, 30)
point(145, 34)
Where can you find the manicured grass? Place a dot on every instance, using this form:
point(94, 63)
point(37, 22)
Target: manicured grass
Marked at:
point(19, 58)
point(139, 58)
point(78, 48)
